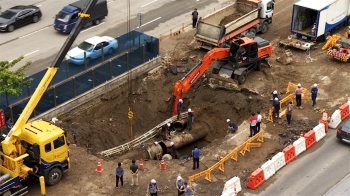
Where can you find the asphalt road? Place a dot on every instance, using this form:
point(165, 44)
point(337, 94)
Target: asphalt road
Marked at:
point(317, 171)
point(40, 42)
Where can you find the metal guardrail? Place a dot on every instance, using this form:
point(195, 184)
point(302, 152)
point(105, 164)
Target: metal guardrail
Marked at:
point(141, 139)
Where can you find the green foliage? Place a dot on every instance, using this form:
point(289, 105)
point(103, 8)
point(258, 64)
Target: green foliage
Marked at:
point(11, 82)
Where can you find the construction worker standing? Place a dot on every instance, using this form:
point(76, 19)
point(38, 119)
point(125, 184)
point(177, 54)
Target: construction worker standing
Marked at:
point(190, 119)
point(119, 173)
point(253, 120)
point(277, 107)
point(178, 108)
point(298, 92)
point(314, 92)
point(173, 150)
point(134, 173)
point(188, 190)
point(180, 185)
point(195, 154)
point(289, 113)
point(274, 95)
point(259, 119)
point(152, 188)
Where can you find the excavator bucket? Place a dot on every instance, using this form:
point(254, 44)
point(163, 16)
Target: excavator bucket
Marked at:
point(286, 58)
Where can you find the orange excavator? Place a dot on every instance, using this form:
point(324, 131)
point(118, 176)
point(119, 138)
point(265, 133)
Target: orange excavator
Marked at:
point(235, 59)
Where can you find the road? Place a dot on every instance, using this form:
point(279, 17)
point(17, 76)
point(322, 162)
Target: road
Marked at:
point(318, 171)
point(32, 40)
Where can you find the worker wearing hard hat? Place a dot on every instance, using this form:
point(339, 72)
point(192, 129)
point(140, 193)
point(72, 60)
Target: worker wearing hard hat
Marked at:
point(232, 127)
point(190, 118)
point(274, 95)
point(152, 188)
point(173, 150)
point(178, 108)
point(277, 107)
point(314, 92)
point(298, 92)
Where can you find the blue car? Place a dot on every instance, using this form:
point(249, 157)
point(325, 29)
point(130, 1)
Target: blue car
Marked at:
point(92, 47)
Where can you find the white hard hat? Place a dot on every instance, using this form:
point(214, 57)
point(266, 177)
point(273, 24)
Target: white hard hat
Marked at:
point(189, 110)
point(276, 99)
point(274, 92)
point(315, 85)
point(179, 177)
point(228, 120)
point(153, 181)
point(299, 84)
point(156, 143)
point(171, 143)
point(180, 100)
point(168, 124)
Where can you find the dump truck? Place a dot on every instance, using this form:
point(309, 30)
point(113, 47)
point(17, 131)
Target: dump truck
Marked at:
point(252, 16)
point(313, 22)
point(38, 148)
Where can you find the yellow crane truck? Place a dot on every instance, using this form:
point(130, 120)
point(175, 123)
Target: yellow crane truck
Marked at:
point(38, 148)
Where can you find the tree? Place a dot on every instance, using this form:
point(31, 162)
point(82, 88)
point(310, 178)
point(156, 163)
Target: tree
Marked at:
point(11, 82)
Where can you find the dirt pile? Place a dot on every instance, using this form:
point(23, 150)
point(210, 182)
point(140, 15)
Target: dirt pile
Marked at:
point(231, 18)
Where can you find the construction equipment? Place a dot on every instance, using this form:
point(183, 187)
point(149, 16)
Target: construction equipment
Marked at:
point(339, 49)
point(286, 58)
point(234, 60)
point(37, 148)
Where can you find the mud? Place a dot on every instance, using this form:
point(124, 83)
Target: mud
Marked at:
point(231, 18)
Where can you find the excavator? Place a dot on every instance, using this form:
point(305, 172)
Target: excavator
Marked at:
point(38, 148)
point(234, 59)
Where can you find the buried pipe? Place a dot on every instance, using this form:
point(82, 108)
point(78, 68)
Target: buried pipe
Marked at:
point(179, 125)
point(156, 150)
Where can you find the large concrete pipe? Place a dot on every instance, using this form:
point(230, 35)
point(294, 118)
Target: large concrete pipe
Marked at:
point(157, 149)
point(179, 125)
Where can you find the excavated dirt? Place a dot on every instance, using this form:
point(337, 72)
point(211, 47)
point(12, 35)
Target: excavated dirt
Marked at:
point(231, 17)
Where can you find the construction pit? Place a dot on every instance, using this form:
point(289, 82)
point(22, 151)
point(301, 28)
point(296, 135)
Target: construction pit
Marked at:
point(103, 123)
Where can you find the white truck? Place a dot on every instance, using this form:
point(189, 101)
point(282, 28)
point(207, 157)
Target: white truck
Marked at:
point(314, 20)
point(242, 16)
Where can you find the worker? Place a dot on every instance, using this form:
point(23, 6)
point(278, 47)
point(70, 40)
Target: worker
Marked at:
point(194, 18)
point(195, 155)
point(119, 173)
point(253, 120)
point(152, 188)
point(178, 108)
point(298, 92)
point(8, 124)
point(314, 92)
point(173, 150)
point(258, 122)
point(289, 113)
point(166, 131)
point(277, 107)
point(190, 119)
point(188, 190)
point(180, 185)
point(274, 95)
point(134, 173)
point(232, 127)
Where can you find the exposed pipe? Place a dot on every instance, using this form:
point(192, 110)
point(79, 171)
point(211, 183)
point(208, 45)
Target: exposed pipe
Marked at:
point(179, 125)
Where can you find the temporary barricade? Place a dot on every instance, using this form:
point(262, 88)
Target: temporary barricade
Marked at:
point(232, 187)
point(319, 132)
point(344, 111)
point(335, 119)
point(256, 179)
point(299, 145)
point(279, 161)
point(269, 169)
point(310, 139)
point(289, 153)
point(324, 120)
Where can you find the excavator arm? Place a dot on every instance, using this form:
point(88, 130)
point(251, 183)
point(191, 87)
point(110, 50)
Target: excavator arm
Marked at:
point(183, 85)
point(8, 145)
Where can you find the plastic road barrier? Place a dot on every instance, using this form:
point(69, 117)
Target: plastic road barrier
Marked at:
point(269, 169)
point(279, 161)
point(232, 187)
point(335, 119)
point(310, 139)
point(299, 145)
point(256, 179)
point(344, 111)
point(319, 132)
point(289, 153)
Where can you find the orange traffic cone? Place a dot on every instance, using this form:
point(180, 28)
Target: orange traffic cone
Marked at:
point(141, 167)
point(99, 168)
point(162, 164)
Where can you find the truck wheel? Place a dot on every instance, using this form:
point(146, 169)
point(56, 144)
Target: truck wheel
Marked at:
point(264, 27)
point(241, 78)
point(252, 30)
point(54, 176)
point(97, 22)
point(215, 71)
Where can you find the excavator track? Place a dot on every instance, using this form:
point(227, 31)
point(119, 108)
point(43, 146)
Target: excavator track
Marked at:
point(141, 139)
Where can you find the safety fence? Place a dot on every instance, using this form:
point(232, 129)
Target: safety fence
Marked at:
point(288, 154)
point(72, 80)
point(339, 115)
point(242, 149)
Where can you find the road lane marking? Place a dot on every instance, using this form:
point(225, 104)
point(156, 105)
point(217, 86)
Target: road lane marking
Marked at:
point(31, 53)
point(33, 33)
point(149, 3)
point(282, 10)
point(108, 2)
point(149, 22)
point(92, 27)
point(38, 5)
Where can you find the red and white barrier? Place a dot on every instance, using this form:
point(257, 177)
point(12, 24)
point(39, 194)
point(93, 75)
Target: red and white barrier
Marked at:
point(320, 132)
point(339, 115)
point(335, 119)
point(232, 187)
point(300, 145)
point(269, 169)
point(279, 161)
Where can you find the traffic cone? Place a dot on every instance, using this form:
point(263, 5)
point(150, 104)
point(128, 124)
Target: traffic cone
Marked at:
point(162, 164)
point(141, 167)
point(99, 168)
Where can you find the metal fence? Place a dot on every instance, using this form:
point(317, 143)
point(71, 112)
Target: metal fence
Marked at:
point(71, 80)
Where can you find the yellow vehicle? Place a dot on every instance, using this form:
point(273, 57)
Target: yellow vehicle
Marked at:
point(37, 148)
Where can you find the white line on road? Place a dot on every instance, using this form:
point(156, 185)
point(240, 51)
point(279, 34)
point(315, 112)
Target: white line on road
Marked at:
point(31, 53)
point(149, 22)
point(32, 33)
point(108, 2)
point(282, 10)
point(149, 3)
point(38, 5)
point(93, 27)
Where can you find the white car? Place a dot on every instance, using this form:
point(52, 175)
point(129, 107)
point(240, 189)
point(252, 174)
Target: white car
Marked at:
point(93, 49)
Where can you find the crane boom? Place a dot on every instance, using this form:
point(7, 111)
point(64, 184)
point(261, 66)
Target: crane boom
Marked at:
point(44, 83)
point(182, 86)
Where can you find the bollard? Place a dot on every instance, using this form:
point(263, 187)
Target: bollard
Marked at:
point(42, 185)
point(171, 33)
point(183, 27)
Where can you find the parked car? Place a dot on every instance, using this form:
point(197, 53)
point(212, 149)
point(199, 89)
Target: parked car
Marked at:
point(343, 133)
point(93, 48)
point(19, 16)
